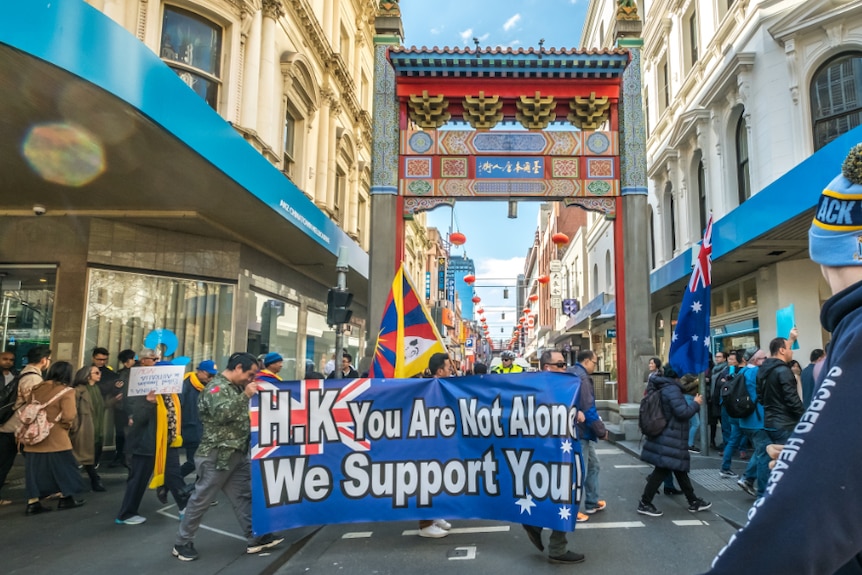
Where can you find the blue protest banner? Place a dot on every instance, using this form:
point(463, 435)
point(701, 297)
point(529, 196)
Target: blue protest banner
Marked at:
point(785, 320)
point(498, 447)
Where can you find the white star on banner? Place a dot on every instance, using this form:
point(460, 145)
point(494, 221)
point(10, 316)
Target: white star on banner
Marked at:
point(566, 446)
point(694, 338)
point(673, 337)
point(526, 504)
point(565, 513)
point(706, 341)
point(696, 307)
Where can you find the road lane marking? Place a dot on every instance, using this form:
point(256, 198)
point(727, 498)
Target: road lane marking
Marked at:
point(609, 452)
point(163, 511)
point(689, 522)
point(469, 553)
point(610, 525)
point(632, 466)
point(462, 530)
point(357, 535)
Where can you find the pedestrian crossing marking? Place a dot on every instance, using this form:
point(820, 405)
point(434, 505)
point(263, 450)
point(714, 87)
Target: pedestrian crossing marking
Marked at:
point(357, 535)
point(610, 525)
point(462, 530)
point(689, 522)
point(632, 466)
point(609, 452)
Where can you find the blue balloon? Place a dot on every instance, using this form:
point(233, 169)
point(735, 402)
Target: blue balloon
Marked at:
point(162, 337)
point(181, 360)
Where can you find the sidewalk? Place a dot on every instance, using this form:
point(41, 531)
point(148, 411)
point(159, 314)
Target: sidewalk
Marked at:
point(86, 539)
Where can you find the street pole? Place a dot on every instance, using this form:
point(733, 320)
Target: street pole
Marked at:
point(341, 268)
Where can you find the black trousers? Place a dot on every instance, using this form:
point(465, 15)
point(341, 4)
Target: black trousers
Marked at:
point(140, 472)
point(658, 476)
point(8, 451)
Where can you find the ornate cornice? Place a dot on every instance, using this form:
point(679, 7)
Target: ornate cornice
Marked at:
point(272, 9)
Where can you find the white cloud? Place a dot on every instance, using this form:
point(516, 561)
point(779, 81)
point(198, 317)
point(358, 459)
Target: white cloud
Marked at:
point(514, 43)
point(436, 31)
point(510, 23)
point(466, 35)
point(484, 37)
point(496, 268)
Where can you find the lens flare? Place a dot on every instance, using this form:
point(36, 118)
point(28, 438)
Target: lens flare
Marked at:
point(64, 154)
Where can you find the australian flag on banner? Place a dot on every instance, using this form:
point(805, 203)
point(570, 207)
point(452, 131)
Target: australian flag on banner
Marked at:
point(689, 347)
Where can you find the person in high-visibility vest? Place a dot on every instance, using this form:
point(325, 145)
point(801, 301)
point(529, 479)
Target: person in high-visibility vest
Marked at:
point(508, 364)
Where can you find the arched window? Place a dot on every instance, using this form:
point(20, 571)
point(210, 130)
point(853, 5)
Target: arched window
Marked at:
point(743, 178)
point(670, 215)
point(595, 281)
point(659, 335)
point(674, 313)
point(836, 98)
point(609, 272)
point(701, 196)
point(191, 46)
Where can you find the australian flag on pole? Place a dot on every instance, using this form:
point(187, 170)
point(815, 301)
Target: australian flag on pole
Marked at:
point(689, 347)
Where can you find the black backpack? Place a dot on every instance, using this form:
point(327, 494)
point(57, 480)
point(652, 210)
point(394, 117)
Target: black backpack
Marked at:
point(651, 419)
point(8, 399)
point(735, 397)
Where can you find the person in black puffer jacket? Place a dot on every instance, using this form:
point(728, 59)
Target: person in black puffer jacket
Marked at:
point(668, 451)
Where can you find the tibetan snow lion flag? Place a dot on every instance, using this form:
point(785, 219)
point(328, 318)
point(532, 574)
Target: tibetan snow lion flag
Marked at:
point(408, 337)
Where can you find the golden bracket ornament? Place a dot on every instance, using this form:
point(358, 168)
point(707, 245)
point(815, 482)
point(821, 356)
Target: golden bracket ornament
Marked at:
point(428, 111)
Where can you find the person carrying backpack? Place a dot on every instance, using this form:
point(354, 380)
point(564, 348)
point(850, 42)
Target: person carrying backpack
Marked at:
point(752, 426)
point(50, 465)
point(668, 450)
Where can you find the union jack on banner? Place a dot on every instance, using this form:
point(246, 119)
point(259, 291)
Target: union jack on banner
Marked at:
point(689, 347)
point(350, 390)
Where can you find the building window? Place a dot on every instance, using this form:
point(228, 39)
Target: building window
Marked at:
point(646, 112)
point(692, 38)
point(289, 160)
point(659, 335)
point(670, 214)
point(836, 98)
point(652, 239)
point(273, 327)
point(191, 46)
point(340, 197)
point(743, 177)
point(595, 281)
point(609, 272)
point(701, 195)
point(360, 221)
point(664, 86)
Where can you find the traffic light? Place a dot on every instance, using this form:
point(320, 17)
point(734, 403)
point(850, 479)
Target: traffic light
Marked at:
point(338, 306)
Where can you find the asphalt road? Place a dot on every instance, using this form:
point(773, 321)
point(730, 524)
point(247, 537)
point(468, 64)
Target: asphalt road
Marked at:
point(615, 541)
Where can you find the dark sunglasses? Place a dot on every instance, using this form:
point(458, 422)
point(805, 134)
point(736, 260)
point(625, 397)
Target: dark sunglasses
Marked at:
point(560, 364)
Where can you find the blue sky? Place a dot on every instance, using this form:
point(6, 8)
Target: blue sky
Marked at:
point(497, 244)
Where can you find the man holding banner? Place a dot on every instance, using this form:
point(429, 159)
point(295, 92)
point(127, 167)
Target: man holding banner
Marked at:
point(553, 361)
point(223, 462)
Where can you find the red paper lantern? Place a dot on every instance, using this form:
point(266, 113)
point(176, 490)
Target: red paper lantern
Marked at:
point(560, 239)
point(520, 320)
point(544, 279)
point(480, 310)
point(476, 299)
point(457, 239)
point(526, 311)
point(534, 297)
point(469, 279)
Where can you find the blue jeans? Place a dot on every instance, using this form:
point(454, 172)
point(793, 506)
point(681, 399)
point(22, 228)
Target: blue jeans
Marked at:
point(591, 474)
point(693, 423)
point(779, 436)
point(731, 444)
point(758, 465)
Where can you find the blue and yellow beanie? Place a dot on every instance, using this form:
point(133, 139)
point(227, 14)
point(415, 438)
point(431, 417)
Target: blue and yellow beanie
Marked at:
point(835, 236)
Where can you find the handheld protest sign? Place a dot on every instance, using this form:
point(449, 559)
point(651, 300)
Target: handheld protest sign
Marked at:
point(158, 378)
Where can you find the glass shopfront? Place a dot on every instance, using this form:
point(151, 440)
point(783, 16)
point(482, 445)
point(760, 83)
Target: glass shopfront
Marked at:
point(26, 308)
point(123, 308)
point(273, 327)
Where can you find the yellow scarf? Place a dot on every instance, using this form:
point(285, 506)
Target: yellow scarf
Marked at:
point(193, 377)
point(162, 438)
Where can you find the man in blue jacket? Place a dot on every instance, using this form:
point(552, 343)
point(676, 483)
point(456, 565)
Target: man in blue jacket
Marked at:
point(589, 431)
point(752, 427)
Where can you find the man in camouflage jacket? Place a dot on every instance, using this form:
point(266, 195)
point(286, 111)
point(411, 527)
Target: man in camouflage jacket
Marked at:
point(223, 458)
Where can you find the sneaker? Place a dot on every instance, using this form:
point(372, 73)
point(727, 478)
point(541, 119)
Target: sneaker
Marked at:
point(182, 514)
point(185, 552)
point(443, 524)
point(699, 505)
point(267, 541)
point(600, 506)
point(568, 557)
point(162, 494)
point(133, 520)
point(693, 449)
point(433, 532)
point(747, 486)
point(728, 474)
point(648, 509)
point(583, 517)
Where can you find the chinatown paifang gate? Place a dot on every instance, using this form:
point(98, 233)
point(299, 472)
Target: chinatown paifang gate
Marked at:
point(416, 166)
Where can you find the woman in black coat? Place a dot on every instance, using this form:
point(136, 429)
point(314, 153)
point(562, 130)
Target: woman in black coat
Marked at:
point(668, 451)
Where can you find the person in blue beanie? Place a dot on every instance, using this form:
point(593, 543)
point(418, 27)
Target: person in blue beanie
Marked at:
point(816, 468)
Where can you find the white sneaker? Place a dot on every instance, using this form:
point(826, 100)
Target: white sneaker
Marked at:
point(443, 524)
point(433, 531)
